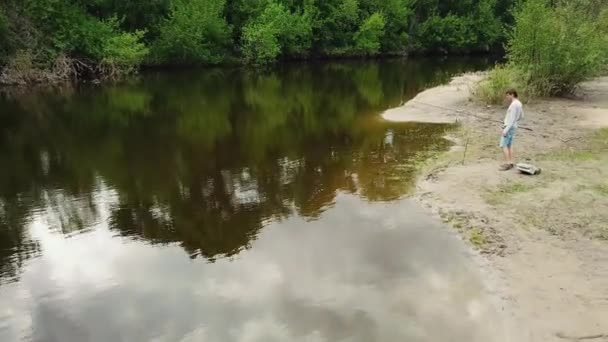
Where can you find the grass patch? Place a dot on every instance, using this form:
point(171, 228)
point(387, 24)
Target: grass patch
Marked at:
point(505, 191)
point(492, 89)
point(477, 238)
point(513, 188)
point(595, 149)
point(600, 138)
point(573, 155)
point(579, 212)
point(601, 189)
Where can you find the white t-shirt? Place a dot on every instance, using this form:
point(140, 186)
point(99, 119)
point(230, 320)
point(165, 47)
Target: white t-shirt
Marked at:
point(514, 114)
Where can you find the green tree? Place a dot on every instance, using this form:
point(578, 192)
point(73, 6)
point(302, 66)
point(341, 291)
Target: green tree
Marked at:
point(195, 33)
point(444, 33)
point(296, 36)
point(5, 38)
point(337, 22)
point(369, 35)
point(260, 37)
point(277, 30)
point(398, 15)
point(487, 26)
point(135, 14)
point(468, 26)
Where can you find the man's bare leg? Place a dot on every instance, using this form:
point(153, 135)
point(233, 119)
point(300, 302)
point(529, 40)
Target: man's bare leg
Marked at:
point(507, 154)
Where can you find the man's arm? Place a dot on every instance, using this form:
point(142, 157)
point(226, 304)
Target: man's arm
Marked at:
point(510, 120)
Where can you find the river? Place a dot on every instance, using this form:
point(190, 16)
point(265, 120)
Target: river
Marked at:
point(230, 204)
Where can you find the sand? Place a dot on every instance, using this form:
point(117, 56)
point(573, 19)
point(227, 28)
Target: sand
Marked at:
point(542, 241)
point(436, 105)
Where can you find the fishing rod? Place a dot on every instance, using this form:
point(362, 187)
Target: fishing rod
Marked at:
point(467, 113)
point(491, 120)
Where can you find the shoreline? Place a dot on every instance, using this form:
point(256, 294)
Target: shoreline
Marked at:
point(539, 241)
point(6, 81)
point(46, 77)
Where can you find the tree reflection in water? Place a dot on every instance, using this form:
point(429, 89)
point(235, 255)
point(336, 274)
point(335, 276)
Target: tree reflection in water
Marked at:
point(205, 159)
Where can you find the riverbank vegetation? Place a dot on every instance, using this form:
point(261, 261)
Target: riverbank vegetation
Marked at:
point(49, 40)
point(553, 47)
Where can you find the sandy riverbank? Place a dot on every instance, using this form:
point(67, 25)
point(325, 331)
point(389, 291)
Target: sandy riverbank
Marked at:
point(544, 237)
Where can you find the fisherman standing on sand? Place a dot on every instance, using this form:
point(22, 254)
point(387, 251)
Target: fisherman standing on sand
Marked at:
point(514, 114)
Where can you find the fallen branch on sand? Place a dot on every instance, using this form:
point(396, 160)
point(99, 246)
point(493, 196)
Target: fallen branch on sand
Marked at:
point(571, 139)
point(581, 338)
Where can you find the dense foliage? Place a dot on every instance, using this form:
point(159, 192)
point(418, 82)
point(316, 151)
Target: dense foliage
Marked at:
point(553, 47)
point(120, 35)
point(557, 47)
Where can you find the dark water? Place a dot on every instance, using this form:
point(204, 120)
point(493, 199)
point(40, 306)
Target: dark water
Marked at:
point(224, 205)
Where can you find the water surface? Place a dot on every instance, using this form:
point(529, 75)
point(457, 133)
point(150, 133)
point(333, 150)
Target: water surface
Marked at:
point(228, 205)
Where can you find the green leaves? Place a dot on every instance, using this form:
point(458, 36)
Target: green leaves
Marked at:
point(64, 28)
point(367, 39)
point(195, 33)
point(5, 36)
point(553, 47)
point(349, 11)
point(201, 32)
point(478, 28)
point(261, 35)
point(125, 50)
point(276, 31)
point(558, 47)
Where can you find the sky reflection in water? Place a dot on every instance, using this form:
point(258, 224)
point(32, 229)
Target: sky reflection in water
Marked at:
point(228, 205)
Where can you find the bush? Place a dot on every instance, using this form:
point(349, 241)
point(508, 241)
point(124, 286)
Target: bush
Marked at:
point(603, 22)
point(19, 69)
point(195, 33)
point(70, 40)
point(556, 47)
point(551, 50)
point(22, 68)
point(603, 27)
point(123, 52)
point(114, 51)
point(492, 89)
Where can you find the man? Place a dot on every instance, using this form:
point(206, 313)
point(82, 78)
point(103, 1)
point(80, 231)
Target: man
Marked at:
point(514, 114)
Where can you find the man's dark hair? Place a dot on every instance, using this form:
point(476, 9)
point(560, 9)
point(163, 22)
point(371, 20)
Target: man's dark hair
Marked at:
point(512, 92)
